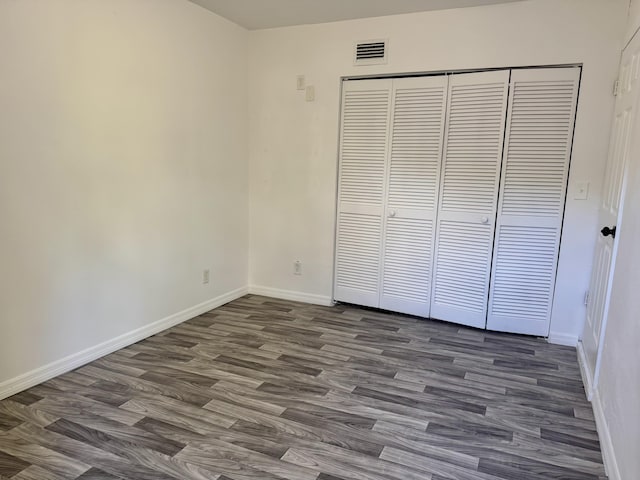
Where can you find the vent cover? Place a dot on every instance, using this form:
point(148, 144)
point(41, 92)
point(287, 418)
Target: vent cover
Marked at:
point(372, 52)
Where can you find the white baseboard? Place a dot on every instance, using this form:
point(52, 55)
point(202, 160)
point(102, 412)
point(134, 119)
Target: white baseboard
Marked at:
point(585, 371)
point(608, 454)
point(291, 295)
point(606, 445)
point(563, 339)
point(46, 372)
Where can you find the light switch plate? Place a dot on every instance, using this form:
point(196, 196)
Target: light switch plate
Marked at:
point(300, 84)
point(581, 191)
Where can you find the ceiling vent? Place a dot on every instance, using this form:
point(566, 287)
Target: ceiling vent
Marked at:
point(372, 52)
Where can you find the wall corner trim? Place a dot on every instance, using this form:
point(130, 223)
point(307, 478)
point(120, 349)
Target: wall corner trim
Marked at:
point(585, 371)
point(291, 295)
point(606, 444)
point(608, 453)
point(559, 338)
point(73, 361)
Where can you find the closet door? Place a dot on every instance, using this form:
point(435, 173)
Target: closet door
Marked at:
point(417, 126)
point(473, 143)
point(366, 107)
point(532, 195)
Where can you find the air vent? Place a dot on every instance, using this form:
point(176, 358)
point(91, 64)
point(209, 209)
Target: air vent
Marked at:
point(373, 52)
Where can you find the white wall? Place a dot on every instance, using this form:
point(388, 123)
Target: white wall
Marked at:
point(293, 153)
point(618, 388)
point(123, 169)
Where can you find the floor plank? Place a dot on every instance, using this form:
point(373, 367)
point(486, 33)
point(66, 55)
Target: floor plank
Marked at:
point(264, 389)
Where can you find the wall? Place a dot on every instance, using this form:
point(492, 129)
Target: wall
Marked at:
point(123, 170)
point(294, 145)
point(617, 399)
point(633, 23)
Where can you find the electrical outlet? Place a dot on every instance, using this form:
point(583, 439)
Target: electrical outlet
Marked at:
point(206, 274)
point(297, 267)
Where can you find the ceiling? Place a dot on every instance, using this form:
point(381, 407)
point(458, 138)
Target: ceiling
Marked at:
point(258, 14)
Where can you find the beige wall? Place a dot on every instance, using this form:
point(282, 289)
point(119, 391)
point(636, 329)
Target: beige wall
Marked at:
point(634, 20)
point(123, 169)
point(293, 150)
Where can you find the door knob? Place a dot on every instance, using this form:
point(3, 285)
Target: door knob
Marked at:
point(392, 213)
point(606, 231)
point(485, 220)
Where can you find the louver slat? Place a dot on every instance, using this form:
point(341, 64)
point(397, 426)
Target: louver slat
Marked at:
point(363, 160)
point(416, 146)
point(469, 187)
point(534, 179)
point(370, 53)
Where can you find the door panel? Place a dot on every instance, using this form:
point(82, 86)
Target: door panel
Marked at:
point(366, 107)
point(473, 142)
point(418, 115)
point(539, 134)
point(610, 214)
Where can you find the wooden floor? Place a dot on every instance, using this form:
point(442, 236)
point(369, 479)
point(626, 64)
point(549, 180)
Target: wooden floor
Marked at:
point(268, 389)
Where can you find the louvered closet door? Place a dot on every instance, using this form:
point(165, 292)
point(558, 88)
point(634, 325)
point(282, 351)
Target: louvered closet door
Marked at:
point(532, 195)
point(473, 143)
point(366, 107)
point(417, 127)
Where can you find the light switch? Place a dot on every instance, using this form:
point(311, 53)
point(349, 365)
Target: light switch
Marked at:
point(581, 191)
point(310, 93)
point(300, 82)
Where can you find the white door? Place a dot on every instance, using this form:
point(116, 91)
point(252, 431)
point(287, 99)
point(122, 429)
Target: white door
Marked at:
point(539, 133)
point(473, 141)
point(417, 126)
point(611, 205)
point(366, 108)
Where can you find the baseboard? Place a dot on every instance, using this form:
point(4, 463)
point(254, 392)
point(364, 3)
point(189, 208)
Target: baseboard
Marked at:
point(563, 339)
point(42, 374)
point(608, 454)
point(291, 295)
point(585, 371)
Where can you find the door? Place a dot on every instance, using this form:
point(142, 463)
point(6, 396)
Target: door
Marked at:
point(611, 205)
point(473, 141)
point(417, 128)
point(539, 134)
point(366, 109)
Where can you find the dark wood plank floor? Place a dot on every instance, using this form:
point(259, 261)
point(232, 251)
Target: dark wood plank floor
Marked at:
point(268, 389)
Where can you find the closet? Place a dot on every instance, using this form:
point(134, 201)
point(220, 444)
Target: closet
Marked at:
point(451, 194)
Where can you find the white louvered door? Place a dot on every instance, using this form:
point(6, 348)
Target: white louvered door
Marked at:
point(472, 155)
point(451, 195)
point(417, 128)
point(539, 134)
point(366, 107)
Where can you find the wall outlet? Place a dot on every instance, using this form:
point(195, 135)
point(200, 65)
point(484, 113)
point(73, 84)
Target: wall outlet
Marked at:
point(297, 267)
point(206, 275)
